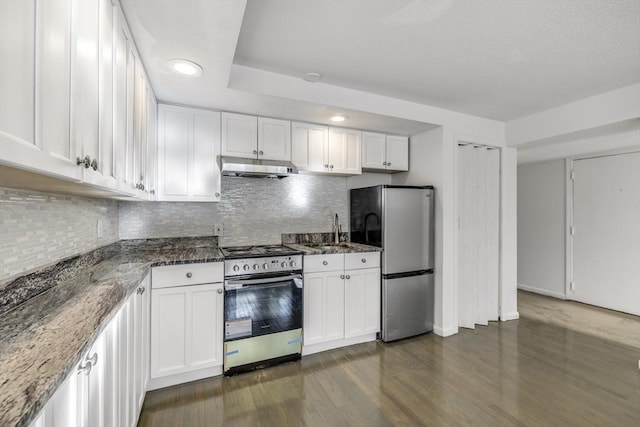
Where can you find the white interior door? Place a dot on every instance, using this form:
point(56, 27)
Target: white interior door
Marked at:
point(478, 234)
point(606, 240)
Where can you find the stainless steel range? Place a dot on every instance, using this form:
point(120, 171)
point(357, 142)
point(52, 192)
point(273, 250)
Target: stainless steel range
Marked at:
point(263, 291)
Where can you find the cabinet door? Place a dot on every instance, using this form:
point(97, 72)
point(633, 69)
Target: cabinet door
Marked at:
point(152, 146)
point(323, 307)
point(274, 139)
point(309, 146)
point(85, 23)
point(373, 150)
point(239, 135)
point(345, 151)
point(188, 147)
point(65, 408)
point(186, 329)
point(397, 153)
point(362, 302)
point(34, 106)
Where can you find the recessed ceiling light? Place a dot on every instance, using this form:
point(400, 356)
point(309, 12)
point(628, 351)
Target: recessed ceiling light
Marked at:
point(312, 77)
point(185, 67)
point(339, 118)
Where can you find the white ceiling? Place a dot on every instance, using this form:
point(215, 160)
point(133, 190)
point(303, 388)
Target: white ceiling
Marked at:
point(498, 59)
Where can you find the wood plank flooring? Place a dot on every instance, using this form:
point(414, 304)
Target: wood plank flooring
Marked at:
point(532, 371)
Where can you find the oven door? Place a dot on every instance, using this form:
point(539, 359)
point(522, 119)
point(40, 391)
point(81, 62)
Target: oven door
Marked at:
point(260, 306)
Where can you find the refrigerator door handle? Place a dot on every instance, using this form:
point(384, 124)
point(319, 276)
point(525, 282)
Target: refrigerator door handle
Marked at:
point(407, 274)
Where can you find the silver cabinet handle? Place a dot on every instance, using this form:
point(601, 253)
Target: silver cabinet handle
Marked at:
point(384, 163)
point(348, 277)
point(255, 151)
point(94, 164)
point(364, 260)
point(331, 167)
point(84, 369)
point(217, 194)
point(342, 276)
point(326, 166)
point(325, 263)
point(140, 290)
point(93, 359)
point(388, 163)
point(219, 291)
point(86, 162)
point(261, 152)
point(152, 191)
point(189, 275)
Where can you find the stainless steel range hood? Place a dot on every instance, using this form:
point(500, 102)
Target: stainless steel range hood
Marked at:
point(253, 168)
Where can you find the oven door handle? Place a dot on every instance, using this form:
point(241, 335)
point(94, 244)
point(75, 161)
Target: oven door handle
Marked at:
point(237, 284)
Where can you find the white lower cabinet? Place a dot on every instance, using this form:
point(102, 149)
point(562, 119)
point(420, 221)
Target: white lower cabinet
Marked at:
point(341, 300)
point(186, 323)
point(106, 388)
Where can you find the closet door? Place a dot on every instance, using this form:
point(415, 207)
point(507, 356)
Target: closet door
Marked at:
point(606, 240)
point(478, 234)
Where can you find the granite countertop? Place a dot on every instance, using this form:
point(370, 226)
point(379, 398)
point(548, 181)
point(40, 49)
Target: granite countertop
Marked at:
point(50, 318)
point(342, 248)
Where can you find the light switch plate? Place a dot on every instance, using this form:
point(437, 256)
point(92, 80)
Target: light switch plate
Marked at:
point(218, 229)
point(99, 229)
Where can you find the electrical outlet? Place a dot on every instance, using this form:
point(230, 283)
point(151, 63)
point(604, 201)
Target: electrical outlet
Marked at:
point(99, 229)
point(217, 229)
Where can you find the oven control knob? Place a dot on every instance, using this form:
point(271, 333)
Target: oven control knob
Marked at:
point(245, 267)
point(256, 267)
point(292, 264)
point(283, 264)
point(265, 266)
point(236, 268)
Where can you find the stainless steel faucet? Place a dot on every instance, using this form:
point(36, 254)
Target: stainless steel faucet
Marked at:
point(336, 229)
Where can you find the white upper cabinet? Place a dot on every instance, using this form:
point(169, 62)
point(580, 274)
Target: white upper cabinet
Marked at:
point(239, 135)
point(385, 152)
point(309, 145)
point(34, 106)
point(397, 153)
point(188, 148)
point(344, 151)
point(317, 148)
point(274, 139)
point(253, 137)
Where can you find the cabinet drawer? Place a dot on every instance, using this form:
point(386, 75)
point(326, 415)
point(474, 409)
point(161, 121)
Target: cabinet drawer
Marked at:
point(357, 260)
point(186, 274)
point(315, 263)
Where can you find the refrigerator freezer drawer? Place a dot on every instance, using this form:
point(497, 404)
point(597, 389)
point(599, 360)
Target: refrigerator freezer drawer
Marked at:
point(407, 306)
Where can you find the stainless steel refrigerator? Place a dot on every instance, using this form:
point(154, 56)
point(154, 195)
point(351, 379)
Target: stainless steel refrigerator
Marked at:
point(400, 220)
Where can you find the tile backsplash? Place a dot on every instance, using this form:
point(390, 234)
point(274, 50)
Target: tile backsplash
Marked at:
point(251, 211)
point(39, 229)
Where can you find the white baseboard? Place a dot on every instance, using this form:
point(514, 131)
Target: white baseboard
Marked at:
point(316, 348)
point(444, 332)
point(540, 291)
point(509, 316)
point(156, 383)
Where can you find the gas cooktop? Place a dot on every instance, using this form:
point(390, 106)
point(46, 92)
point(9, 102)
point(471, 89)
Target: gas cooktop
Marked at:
point(231, 252)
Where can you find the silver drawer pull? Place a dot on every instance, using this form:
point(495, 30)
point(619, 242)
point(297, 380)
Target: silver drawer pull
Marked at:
point(219, 291)
point(342, 276)
point(325, 263)
point(364, 260)
point(348, 277)
point(93, 359)
point(189, 275)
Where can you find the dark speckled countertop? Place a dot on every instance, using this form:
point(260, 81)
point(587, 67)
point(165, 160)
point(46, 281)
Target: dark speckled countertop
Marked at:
point(49, 318)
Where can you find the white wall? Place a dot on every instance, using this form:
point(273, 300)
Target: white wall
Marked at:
point(596, 111)
point(541, 227)
point(615, 136)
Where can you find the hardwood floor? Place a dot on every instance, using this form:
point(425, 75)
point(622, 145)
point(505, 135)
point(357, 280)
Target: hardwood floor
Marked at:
point(538, 370)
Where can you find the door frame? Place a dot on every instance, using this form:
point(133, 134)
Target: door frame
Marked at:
point(568, 292)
